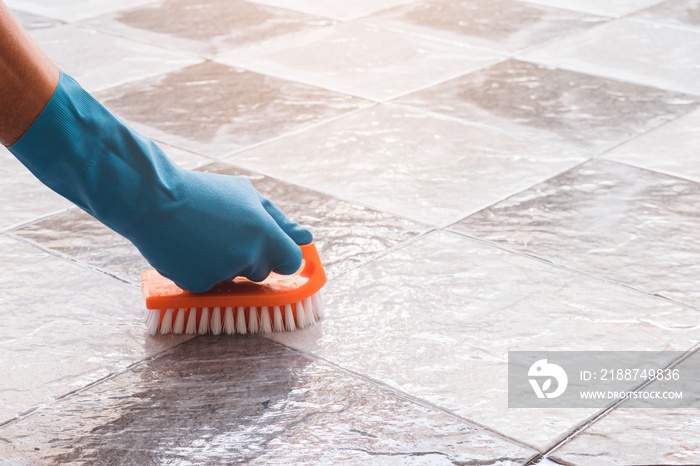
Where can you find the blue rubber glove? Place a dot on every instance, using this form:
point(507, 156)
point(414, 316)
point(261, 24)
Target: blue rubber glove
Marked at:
point(196, 228)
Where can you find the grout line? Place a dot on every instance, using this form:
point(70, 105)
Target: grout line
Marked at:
point(578, 271)
point(585, 425)
point(41, 218)
point(652, 170)
point(94, 383)
point(402, 394)
point(381, 254)
point(61, 255)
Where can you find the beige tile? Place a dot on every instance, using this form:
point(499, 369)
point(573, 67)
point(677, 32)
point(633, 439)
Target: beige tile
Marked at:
point(559, 106)
point(502, 25)
point(338, 9)
point(64, 327)
point(24, 197)
point(670, 149)
point(247, 400)
point(98, 61)
point(611, 220)
point(30, 21)
point(644, 435)
point(213, 109)
point(601, 7)
point(646, 54)
point(362, 61)
point(401, 160)
point(74, 10)
point(684, 13)
point(437, 317)
point(206, 27)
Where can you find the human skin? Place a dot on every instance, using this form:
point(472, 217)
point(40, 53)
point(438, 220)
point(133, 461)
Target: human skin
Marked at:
point(28, 79)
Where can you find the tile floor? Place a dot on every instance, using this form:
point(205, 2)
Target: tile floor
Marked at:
point(480, 177)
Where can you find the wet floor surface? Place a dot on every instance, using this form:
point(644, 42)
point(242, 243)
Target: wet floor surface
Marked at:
point(480, 177)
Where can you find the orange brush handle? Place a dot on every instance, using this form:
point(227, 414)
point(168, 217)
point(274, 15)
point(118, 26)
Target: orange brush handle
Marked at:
point(275, 290)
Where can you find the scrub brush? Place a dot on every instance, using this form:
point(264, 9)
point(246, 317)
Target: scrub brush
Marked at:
point(279, 303)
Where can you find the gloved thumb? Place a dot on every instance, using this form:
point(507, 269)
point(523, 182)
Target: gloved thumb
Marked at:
point(299, 234)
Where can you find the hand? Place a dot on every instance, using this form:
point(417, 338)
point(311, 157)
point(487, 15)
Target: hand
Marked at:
point(210, 228)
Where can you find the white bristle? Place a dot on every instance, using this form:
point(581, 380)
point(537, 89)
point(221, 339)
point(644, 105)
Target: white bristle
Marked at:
point(265, 324)
point(277, 322)
point(153, 321)
point(289, 318)
point(229, 325)
point(179, 325)
point(253, 320)
point(167, 324)
point(204, 321)
point(301, 317)
point(309, 312)
point(216, 321)
point(191, 328)
point(240, 320)
point(318, 305)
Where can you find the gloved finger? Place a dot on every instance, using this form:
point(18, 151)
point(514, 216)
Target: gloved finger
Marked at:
point(299, 234)
point(283, 255)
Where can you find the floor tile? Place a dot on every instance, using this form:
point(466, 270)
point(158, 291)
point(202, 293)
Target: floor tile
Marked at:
point(503, 25)
point(24, 197)
point(99, 61)
point(670, 149)
point(345, 234)
point(436, 318)
point(246, 400)
point(684, 13)
point(619, 222)
point(206, 27)
point(558, 106)
point(30, 21)
point(601, 7)
point(213, 109)
point(642, 436)
point(346, 58)
point(428, 168)
point(74, 10)
point(642, 53)
point(337, 10)
point(64, 326)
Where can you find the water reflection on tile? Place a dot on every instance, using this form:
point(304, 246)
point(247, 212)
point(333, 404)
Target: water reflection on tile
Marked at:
point(213, 109)
point(642, 53)
point(64, 326)
point(81, 237)
point(346, 234)
point(73, 10)
point(555, 105)
point(601, 7)
point(99, 61)
point(338, 10)
point(643, 436)
point(619, 222)
point(206, 27)
point(24, 198)
point(346, 58)
point(672, 148)
point(30, 21)
point(230, 400)
point(504, 25)
point(424, 167)
point(674, 12)
point(437, 317)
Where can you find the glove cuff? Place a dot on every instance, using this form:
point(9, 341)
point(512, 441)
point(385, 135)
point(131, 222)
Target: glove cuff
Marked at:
point(82, 151)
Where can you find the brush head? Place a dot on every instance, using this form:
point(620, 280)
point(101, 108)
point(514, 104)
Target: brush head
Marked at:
point(280, 302)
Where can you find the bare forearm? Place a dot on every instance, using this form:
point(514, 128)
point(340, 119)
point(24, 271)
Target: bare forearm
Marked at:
point(28, 79)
